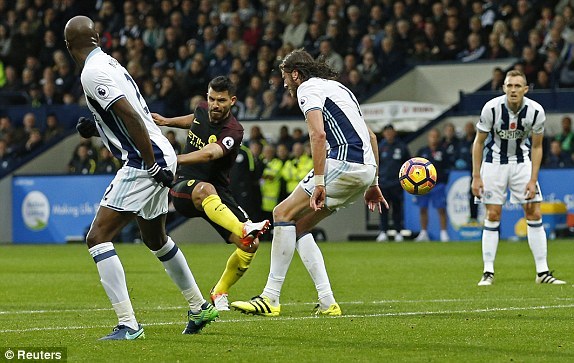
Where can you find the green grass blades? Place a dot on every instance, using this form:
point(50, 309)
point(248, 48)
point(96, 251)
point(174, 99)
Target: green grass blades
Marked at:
point(400, 301)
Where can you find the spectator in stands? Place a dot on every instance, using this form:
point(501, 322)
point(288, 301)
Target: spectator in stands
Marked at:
point(557, 157)
point(171, 137)
point(391, 59)
point(464, 162)
point(295, 30)
point(285, 138)
point(494, 49)
point(288, 106)
point(296, 167)
point(532, 63)
point(392, 154)
point(357, 85)
point(252, 108)
point(107, 163)
point(153, 35)
point(6, 159)
point(450, 143)
point(437, 196)
point(253, 33)
point(369, 70)
point(5, 41)
point(270, 105)
point(53, 129)
point(332, 58)
point(474, 49)
point(542, 80)
point(33, 141)
point(450, 46)
point(82, 162)
point(566, 136)
point(170, 95)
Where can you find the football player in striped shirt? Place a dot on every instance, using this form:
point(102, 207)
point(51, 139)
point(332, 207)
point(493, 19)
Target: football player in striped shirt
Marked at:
point(506, 155)
point(339, 176)
point(140, 188)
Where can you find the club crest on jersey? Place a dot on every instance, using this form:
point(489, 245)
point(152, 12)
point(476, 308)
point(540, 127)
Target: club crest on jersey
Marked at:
point(228, 142)
point(212, 139)
point(102, 91)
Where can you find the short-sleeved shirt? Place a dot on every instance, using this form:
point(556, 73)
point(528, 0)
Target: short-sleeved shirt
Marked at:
point(347, 133)
point(105, 81)
point(507, 141)
point(227, 134)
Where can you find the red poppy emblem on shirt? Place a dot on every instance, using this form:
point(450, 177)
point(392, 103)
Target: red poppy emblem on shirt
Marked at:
point(513, 125)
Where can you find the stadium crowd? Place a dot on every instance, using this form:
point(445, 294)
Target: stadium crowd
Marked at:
point(174, 47)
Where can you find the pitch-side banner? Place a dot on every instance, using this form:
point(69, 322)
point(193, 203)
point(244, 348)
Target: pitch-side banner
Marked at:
point(556, 186)
point(404, 115)
point(55, 208)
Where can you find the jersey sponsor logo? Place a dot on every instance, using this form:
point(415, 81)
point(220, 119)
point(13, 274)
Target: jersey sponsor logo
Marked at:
point(303, 101)
point(512, 134)
point(102, 91)
point(195, 140)
point(228, 142)
point(212, 139)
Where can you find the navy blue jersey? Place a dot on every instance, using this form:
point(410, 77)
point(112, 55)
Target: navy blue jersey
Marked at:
point(439, 158)
point(391, 158)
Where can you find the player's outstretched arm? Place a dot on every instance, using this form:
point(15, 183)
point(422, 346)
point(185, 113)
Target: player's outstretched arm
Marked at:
point(208, 153)
point(180, 122)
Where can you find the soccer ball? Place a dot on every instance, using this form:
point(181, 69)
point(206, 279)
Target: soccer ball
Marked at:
point(417, 176)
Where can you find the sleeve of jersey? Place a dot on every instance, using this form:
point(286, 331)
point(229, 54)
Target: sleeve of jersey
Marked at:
point(230, 139)
point(484, 124)
point(99, 86)
point(310, 97)
point(538, 126)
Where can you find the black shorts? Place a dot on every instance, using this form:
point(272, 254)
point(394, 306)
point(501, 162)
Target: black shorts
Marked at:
point(181, 194)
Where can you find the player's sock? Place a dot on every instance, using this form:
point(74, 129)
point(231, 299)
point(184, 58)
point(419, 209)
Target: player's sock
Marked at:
point(113, 280)
point(538, 244)
point(489, 243)
point(237, 264)
point(313, 260)
point(219, 213)
point(176, 267)
point(282, 250)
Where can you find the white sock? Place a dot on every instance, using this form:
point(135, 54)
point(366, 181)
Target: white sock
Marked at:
point(313, 260)
point(113, 280)
point(282, 250)
point(489, 244)
point(538, 244)
point(176, 267)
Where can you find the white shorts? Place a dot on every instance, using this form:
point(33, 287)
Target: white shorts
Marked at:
point(498, 178)
point(344, 182)
point(134, 190)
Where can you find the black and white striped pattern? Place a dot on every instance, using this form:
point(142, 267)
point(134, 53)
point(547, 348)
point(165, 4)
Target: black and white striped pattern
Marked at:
point(508, 133)
point(547, 278)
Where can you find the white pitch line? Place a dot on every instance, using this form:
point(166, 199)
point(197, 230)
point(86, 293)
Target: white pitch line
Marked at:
point(377, 302)
point(406, 313)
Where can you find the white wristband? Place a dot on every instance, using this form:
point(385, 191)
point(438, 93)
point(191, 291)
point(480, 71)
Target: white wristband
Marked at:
point(320, 180)
point(375, 182)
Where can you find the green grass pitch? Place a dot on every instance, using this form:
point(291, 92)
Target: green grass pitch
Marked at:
point(401, 302)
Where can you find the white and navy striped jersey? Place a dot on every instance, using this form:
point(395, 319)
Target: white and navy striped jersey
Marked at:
point(345, 128)
point(105, 81)
point(508, 133)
